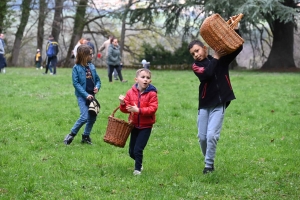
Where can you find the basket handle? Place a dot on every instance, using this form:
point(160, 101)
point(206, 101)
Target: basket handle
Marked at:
point(234, 20)
point(115, 110)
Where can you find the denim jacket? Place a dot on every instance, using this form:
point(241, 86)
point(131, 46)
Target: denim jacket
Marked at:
point(79, 79)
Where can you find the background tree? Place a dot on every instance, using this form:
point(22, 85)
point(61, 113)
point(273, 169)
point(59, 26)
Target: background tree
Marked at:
point(41, 24)
point(79, 24)
point(25, 7)
point(57, 19)
point(278, 14)
point(3, 11)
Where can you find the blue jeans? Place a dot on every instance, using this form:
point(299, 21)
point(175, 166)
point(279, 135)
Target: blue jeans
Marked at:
point(84, 117)
point(210, 122)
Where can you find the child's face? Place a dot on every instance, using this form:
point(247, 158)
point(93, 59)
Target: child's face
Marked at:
point(199, 53)
point(143, 80)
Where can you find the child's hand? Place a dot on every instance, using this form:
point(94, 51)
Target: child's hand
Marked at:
point(121, 98)
point(132, 108)
point(217, 55)
point(89, 97)
point(96, 90)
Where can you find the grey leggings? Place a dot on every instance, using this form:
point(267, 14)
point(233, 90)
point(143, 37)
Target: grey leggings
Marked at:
point(209, 123)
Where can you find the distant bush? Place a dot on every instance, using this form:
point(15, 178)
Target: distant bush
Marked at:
point(158, 55)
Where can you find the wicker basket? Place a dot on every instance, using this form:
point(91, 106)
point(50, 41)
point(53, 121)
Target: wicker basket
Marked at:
point(117, 131)
point(220, 35)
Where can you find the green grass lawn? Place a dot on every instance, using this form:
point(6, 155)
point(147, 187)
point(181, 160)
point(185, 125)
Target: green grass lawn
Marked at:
point(257, 156)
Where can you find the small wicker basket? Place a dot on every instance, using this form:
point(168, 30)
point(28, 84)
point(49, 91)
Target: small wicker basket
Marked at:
point(117, 131)
point(220, 35)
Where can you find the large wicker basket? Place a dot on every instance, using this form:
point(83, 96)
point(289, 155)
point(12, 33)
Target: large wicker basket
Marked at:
point(220, 35)
point(117, 131)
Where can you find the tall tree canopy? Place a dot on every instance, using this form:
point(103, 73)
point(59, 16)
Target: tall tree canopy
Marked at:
point(278, 14)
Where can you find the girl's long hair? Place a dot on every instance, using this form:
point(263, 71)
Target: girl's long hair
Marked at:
point(83, 53)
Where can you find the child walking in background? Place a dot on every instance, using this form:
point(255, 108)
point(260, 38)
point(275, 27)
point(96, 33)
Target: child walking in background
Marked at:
point(38, 59)
point(87, 84)
point(215, 94)
point(142, 103)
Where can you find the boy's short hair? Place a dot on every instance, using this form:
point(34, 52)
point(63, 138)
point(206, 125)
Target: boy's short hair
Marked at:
point(141, 70)
point(192, 43)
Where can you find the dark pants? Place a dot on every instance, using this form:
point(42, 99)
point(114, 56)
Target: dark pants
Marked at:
point(138, 142)
point(53, 62)
point(111, 70)
point(115, 72)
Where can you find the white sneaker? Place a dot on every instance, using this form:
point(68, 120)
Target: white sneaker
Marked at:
point(137, 172)
point(3, 70)
point(51, 73)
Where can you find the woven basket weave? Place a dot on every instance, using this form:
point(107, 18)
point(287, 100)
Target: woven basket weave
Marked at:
point(117, 131)
point(220, 35)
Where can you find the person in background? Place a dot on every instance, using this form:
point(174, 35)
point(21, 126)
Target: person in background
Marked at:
point(38, 59)
point(105, 46)
point(145, 64)
point(215, 95)
point(142, 103)
point(91, 44)
point(51, 52)
point(114, 59)
point(80, 42)
point(2, 54)
point(87, 84)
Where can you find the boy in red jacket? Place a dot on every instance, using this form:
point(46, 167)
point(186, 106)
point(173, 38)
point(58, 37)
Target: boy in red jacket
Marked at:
point(142, 103)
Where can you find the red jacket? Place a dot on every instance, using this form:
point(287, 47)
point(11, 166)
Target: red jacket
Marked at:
point(147, 103)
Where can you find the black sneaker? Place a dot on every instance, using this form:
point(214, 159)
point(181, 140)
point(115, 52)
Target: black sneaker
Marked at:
point(207, 170)
point(86, 139)
point(68, 139)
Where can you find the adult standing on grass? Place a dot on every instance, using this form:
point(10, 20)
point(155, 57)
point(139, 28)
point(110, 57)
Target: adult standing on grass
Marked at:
point(142, 103)
point(105, 46)
point(215, 94)
point(51, 52)
point(87, 84)
point(114, 59)
point(2, 54)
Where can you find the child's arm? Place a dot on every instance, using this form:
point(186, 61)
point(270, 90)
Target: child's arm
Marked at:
point(122, 104)
point(206, 72)
point(76, 84)
point(230, 57)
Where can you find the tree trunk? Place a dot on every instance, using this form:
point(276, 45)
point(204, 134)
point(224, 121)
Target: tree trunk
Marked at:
point(123, 30)
point(3, 8)
point(282, 51)
point(79, 24)
point(41, 23)
point(56, 25)
point(25, 7)
point(122, 38)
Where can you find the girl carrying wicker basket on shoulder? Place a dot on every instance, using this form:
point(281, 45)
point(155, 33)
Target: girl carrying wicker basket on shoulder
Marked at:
point(215, 94)
point(142, 103)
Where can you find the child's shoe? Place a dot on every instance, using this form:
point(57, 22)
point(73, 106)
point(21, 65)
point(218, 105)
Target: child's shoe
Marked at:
point(86, 139)
point(69, 138)
point(207, 170)
point(137, 172)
